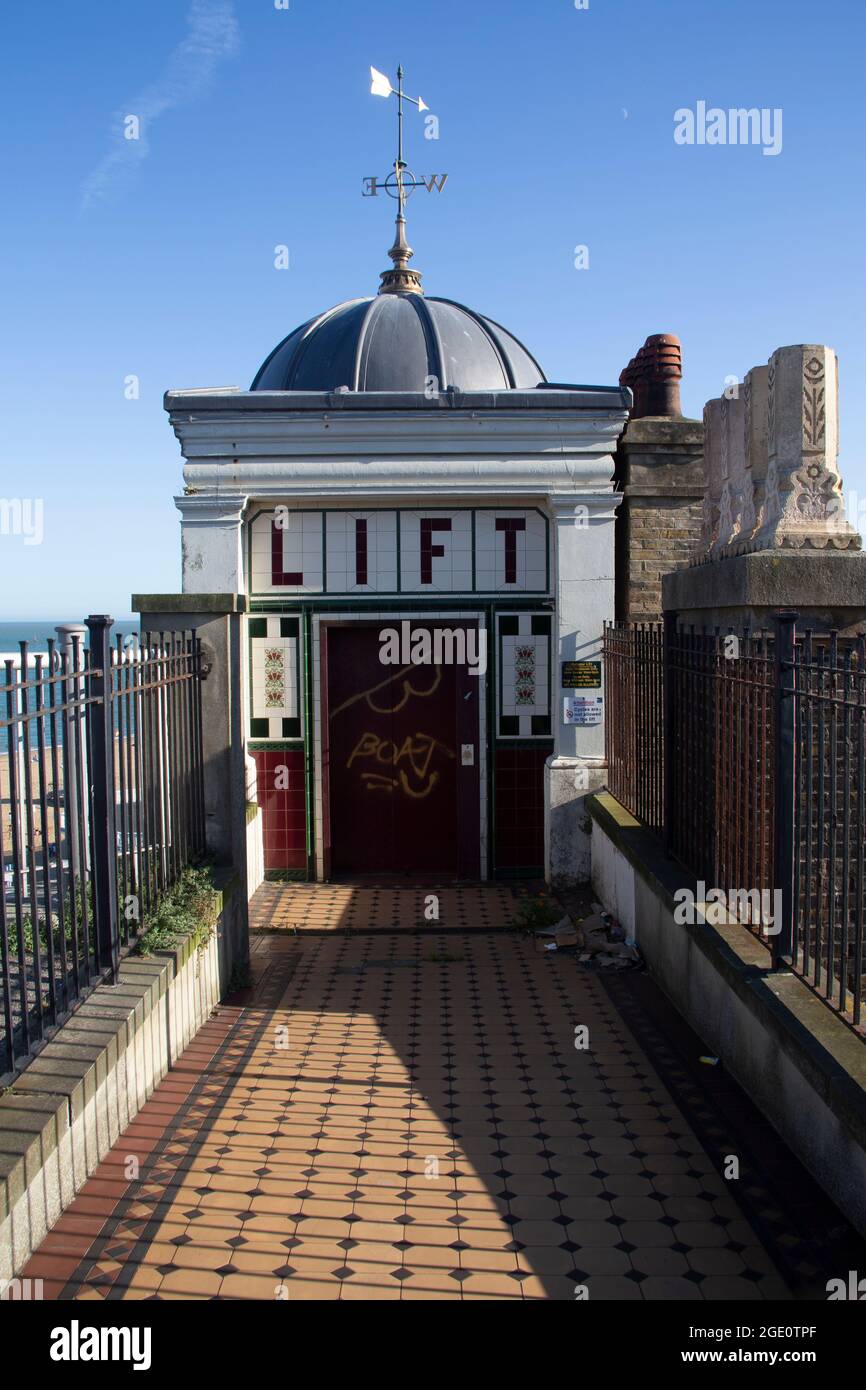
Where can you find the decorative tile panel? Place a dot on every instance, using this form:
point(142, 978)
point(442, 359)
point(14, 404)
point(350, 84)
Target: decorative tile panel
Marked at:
point(275, 678)
point(523, 675)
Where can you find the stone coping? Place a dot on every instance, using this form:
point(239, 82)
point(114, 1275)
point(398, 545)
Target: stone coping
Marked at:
point(829, 1055)
point(668, 492)
point(663, 432)
point(44, 1102)
point(834, 579)
point(189, 603)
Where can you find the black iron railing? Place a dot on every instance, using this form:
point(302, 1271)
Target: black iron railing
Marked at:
point(634, 748)
point(829, 871)
point(719, 737)
point(102, 808)
point(758, 744)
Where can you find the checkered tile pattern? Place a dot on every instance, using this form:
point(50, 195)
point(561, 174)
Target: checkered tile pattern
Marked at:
point(385, 1116)
point(382, 907)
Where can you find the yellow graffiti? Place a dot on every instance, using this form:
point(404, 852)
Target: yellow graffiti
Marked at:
point(416, 749)
point(408, 690)
point(374, 781)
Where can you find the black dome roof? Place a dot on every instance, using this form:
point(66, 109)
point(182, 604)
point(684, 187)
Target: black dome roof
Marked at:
point(397, 342)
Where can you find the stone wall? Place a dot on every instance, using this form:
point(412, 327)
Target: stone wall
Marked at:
point(774, 531)
point(659, 534)
point(772, 445)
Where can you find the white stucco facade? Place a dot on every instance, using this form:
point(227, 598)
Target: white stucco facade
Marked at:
point(320, 460)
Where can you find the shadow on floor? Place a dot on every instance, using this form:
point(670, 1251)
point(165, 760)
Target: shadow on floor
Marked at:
point(401, 1112)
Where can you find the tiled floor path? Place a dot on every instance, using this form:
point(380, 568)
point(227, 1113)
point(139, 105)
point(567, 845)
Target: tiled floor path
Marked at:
point(395, 1115)
point(381, 907)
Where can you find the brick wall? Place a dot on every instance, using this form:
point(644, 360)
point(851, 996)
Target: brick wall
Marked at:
point(660, 471)
point(659, 534)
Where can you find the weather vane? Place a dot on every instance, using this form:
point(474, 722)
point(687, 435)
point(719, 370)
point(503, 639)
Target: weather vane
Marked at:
point(400, 184)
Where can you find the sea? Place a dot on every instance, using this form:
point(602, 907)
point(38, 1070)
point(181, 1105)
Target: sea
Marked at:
point(36, 635)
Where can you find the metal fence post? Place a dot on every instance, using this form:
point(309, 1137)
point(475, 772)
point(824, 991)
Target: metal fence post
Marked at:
point(100, 769)
point(70, 640)
point(670, 637)
point(784, 789)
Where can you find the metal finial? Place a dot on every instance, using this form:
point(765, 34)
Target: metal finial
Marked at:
point(400, 280)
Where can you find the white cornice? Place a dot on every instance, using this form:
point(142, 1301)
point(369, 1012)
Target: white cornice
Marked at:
point(209, 509)
point(467, 477)
point(538, 448)
point(499, 433)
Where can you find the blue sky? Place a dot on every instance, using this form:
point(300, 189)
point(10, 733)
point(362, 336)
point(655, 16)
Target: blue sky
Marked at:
point(156, 259)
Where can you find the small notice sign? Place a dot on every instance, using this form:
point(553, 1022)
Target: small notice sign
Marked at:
point(581, 675)
point(582, 709)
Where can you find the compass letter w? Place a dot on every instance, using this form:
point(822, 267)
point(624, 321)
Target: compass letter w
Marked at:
point(437, 181)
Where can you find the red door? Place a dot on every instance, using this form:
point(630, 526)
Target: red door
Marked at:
point(401, 761)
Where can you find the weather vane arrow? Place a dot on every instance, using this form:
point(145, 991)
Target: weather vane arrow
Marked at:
point(400, 184)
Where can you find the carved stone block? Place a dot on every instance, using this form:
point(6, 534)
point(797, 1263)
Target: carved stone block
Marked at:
point(757, 453)
point(712, 473)
point(733, 467)
point(803, 504)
